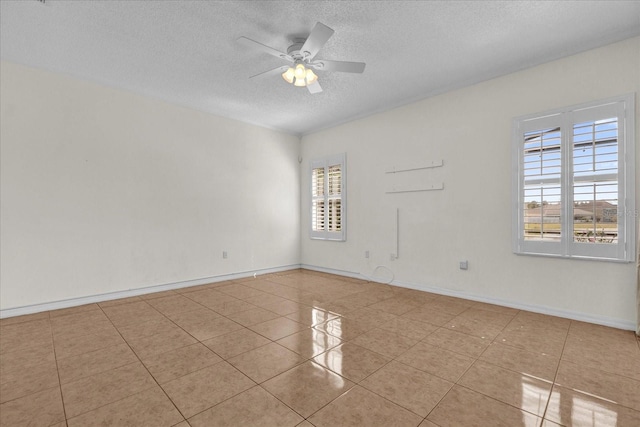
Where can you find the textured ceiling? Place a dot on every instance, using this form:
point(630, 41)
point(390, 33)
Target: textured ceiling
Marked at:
point(185, 52)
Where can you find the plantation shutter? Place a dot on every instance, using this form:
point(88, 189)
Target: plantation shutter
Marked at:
point(328, 198)
point(318, 199)
point(573, 188)
point(335, 198)
point(541, 211)
point(596, 165)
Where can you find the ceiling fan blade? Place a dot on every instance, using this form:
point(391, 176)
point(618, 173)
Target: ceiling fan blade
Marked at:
point(314, 87)
point(341, 66)
point(318, 37)
point(271, 51)
point(273, 72)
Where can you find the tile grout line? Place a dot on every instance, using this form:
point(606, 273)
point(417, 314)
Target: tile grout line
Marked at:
point(555, 377)
point(143, 365)
point(477, 358)
point(287, 370)
point(55, 356)
point(358, 383)
point(256, 384)
point(455, 383)
point(222, 359)
point(540, 417)
point(56, 367)
point(197, 342)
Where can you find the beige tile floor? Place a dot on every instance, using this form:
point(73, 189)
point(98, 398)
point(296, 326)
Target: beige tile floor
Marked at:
point(301, 348)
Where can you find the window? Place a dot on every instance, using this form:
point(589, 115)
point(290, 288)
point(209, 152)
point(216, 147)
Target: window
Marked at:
point(574, 182)
point(328, 198)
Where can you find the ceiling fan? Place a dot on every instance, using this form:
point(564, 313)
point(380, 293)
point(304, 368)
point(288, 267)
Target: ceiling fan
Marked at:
point(302, 55)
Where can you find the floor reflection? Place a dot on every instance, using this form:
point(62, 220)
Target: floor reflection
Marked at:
point(572, 408)
point(534, 398)
point(333, 359)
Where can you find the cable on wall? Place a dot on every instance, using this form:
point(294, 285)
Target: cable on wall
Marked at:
point(372, 278)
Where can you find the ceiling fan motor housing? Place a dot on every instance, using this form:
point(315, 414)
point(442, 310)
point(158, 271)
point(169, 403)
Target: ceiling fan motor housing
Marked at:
point(295, 52)
point(302, 53)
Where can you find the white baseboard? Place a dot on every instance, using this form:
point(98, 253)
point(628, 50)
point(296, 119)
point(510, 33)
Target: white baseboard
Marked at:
point(583, 317)
point(55, 305)
point(73, 302)
point(333, 271)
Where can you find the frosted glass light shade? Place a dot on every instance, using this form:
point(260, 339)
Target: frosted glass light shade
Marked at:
point(311, 77)
point(299, 76)
point(288, 75)
point(300, 71)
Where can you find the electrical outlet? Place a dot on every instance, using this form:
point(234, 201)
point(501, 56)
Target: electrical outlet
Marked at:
point(224, 254)
point(366, 254)
point(464, 265)
point(392, 257)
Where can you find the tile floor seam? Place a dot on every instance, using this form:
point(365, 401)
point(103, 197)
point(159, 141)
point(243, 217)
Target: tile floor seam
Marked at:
point(36, 391)
point(185, 311)
point(370, 391)
point(323, 406)
point(279, 338)
point(289, 406)
point(604, 399)
point(29, 394)
point(555, 377)
point(552, 382)
point(246, 351)
point(248, 377)
point(478, 358)
point(541, 417)
point(395, 359)
point(55, 357)
point(209, 407)
point(279, 373)
point(6, 321)
point(221, 402)
point(610, 372)
point(148, 372)
point(187, 332)
point(188, 373)
point(293, 367)
point(475, 336)
point(358, 382)
point(204, 307)
point(258, 384)
point(498, 400)
point(438, 404)
point(109, 403)
point(404, 407)
point(431, 373)
point(228, 398)
point(453, 351)
point(456, 382)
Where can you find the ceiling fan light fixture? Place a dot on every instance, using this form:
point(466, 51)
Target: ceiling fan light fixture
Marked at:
point(300, 72)
point(302, 56)
point(289, 75)
point(299, 76)
point(311, 77)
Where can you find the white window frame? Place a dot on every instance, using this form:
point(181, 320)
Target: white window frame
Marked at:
point(622, 107)
point(326, 163)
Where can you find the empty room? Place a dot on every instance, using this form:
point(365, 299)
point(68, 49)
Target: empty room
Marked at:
point(319, 213)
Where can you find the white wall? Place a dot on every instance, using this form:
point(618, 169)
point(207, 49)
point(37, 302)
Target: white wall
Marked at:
point(470, 129)
point(105, 191)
